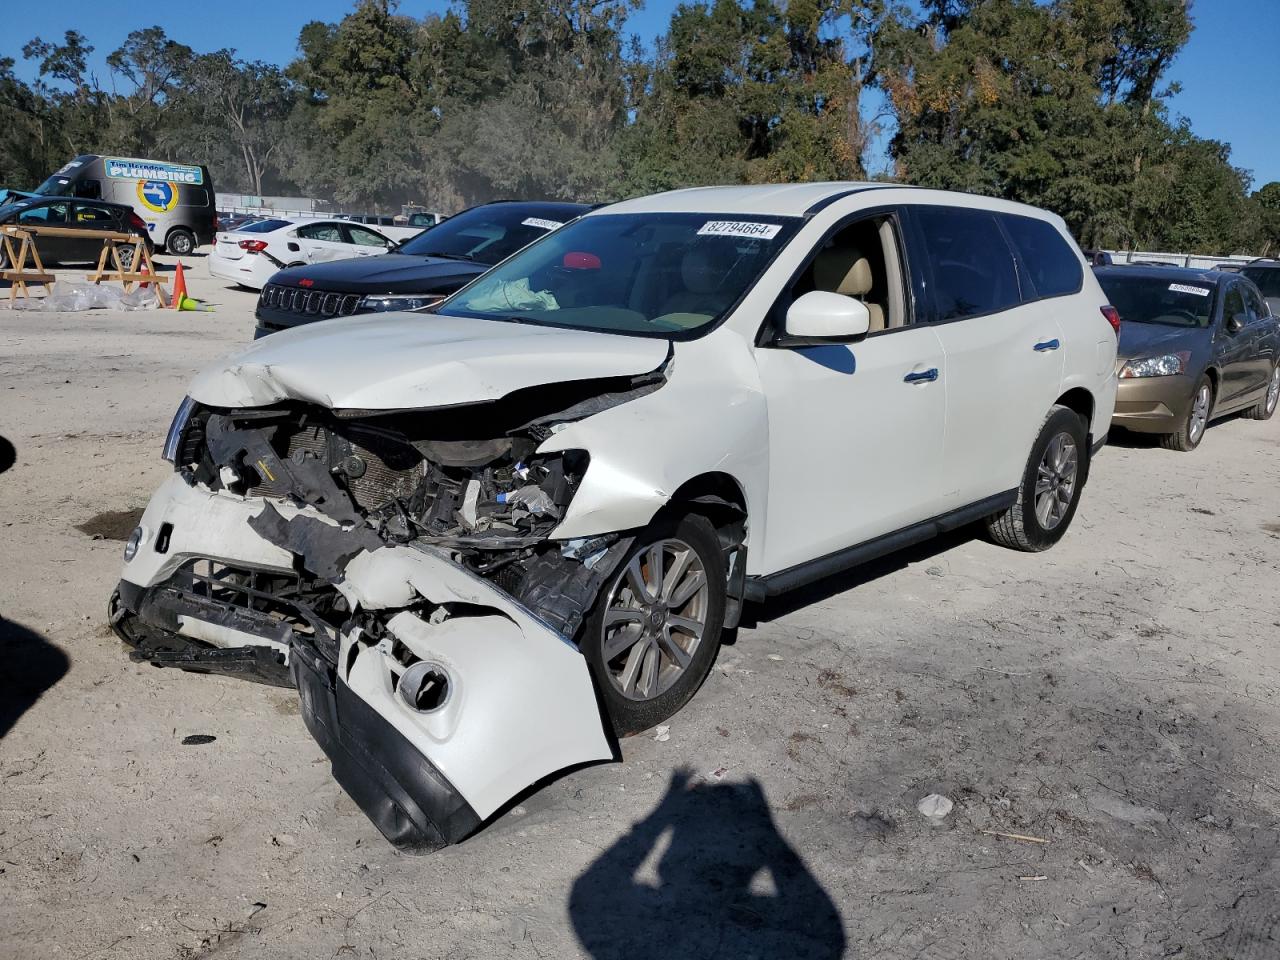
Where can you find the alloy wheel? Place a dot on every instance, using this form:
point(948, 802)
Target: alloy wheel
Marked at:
point(1199, 413)
point(1273, 390)
point(655, 619)
point(1056, 480)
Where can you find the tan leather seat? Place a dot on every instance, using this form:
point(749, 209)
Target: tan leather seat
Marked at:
point(701, 272)
point(846, 271)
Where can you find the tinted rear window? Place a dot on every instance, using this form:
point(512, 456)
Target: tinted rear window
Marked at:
point(1267, 279)
point(263, 226)
point(1050, 263)
point(486, 234)
point(973, 269)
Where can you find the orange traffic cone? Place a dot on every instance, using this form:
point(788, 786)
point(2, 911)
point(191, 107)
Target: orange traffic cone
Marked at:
point(179, 287)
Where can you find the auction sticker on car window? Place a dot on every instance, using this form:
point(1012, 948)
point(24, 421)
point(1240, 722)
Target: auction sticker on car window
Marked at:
point(739, 228)
point(541, 224)
point(1183, 288)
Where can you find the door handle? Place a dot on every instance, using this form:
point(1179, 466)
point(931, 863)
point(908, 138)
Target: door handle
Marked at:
point(1044, 345)
point(924, 376)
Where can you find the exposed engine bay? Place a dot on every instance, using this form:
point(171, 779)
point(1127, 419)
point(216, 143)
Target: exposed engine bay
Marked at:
point(465, 480)
point(397, 568)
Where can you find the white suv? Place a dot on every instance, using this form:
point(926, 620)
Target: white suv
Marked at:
point(461, 532)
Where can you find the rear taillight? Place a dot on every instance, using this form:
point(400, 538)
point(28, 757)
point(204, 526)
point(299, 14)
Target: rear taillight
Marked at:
point(1113, 317)
point(253, 246)
point(137, 222)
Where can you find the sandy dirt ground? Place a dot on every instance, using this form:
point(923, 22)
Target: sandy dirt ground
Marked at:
point(1117, 697)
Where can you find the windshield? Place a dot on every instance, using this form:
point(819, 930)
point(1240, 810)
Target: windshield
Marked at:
point(646, 274)
point(55, 186)
point(1160, 300)
point(486, 234)
point(1267, 279)
point(9, 209)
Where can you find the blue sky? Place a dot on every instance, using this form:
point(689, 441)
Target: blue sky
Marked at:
point(1228, 72)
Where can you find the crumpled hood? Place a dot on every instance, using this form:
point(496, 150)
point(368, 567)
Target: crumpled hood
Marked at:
point(1153, 339)
point(414, 360)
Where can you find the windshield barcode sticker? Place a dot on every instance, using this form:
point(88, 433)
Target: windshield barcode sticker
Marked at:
point(541, 224)
point(1183, 288)
point(738, 228)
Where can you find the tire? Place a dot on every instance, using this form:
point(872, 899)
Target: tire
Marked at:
point(1264, 408)
point(126, 258)
point(180, 242)
point(639, 655)
point(1188, 436)
point(1024, 525)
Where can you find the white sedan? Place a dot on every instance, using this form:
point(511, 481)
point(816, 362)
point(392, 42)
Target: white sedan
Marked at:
point(250, 255)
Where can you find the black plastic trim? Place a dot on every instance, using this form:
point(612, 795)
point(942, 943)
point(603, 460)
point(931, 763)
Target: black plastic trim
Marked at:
point(827, 201)
point(410, 802)
point(758, 588)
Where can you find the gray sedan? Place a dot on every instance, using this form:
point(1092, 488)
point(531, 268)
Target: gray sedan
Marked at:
point(1194, 345)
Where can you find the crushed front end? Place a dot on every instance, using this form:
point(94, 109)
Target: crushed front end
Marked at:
point(398, 568)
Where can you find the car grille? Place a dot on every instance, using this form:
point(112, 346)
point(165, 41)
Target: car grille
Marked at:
point(311, 303)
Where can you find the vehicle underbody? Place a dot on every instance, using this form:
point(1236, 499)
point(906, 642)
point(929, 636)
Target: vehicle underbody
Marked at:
point(396, 567)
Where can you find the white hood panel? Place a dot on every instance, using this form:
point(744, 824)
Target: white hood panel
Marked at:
point(400, 360)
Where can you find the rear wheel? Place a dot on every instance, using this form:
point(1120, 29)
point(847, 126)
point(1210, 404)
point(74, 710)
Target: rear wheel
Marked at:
point(1264, 408)
point(1050, 489)
point(180, 241)
point(652, 636)
point(1188, 436)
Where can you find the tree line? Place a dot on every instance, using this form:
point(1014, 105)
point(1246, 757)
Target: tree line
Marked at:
point(1061, 104)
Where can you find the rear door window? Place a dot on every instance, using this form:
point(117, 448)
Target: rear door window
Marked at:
point(1047, 259)
point(94, 217)
point(972, 267)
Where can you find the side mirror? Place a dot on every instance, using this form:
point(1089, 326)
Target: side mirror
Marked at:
point(1235, 324)
point(819, 315)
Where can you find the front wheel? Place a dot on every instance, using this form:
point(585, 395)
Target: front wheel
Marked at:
point(1188, 436)
point(1050, 489)
point(1264, 408)
point(652, 635)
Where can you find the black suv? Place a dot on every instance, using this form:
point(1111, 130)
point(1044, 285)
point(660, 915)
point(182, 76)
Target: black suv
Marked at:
point(1266, 274)
point(420, 272)
point(38, 211)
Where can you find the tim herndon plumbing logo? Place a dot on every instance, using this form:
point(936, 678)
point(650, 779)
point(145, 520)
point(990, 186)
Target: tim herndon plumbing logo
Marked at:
point(118, 169)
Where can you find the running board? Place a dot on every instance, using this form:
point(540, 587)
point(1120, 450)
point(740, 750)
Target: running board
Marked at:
point(770, 585)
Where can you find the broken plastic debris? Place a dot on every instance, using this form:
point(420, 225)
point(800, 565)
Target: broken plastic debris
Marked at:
point(935, 807)
point(198, 739)
point(533, 498)
point(718, 773)
point(663, 733)
point(774, 656)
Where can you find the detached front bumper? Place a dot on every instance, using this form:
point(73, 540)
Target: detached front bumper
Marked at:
point(436, 696)
point(1153, 404)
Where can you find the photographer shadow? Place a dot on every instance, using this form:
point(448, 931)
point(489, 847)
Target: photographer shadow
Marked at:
point(32, 666)
point(706, 874)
